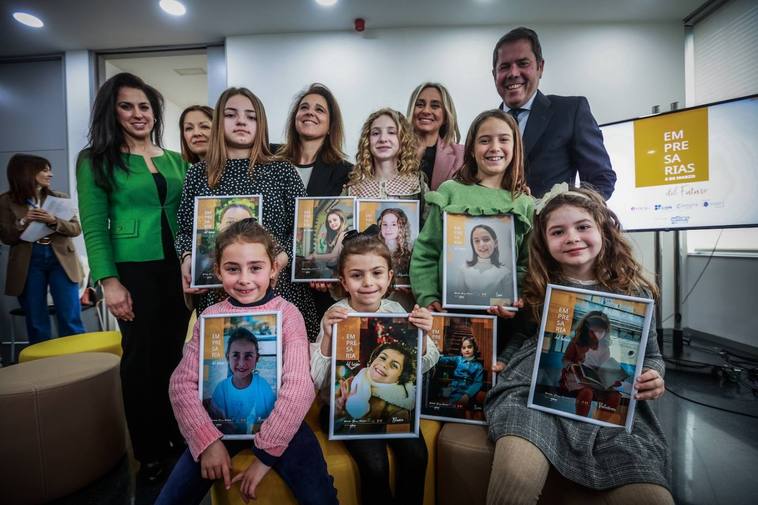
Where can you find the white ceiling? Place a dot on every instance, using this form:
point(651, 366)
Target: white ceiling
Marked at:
point(118, 24)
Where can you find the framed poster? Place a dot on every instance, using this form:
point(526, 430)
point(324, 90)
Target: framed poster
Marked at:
point(398, 222)
point(320, 226)
point(240, 369)
point(375, 384)
point(590, 351)
point(479, 261)
point(212, 215)
point(455, 388)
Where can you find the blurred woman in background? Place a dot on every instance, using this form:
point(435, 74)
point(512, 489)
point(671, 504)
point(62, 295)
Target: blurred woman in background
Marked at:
point(50, 261)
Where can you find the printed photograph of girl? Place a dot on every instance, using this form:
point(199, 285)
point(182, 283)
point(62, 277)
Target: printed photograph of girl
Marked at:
point(590, 355)
point(213, 215)
point(455, 388)
point(398, 222)
point(374, 388)
point(320, 227)
point(479, 261)
point(239, 368)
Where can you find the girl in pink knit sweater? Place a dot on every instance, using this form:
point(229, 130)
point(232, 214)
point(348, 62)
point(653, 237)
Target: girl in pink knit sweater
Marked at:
point(246, 266)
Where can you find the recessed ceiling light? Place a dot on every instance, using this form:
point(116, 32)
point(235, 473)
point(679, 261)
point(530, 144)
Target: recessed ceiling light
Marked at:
point(326, 3)
point(173, 7)
point(28, 19)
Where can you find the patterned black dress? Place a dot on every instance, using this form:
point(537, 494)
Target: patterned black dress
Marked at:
point(279, 184)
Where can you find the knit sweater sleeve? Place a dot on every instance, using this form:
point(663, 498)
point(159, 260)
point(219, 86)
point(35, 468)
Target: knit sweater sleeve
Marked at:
point(193, 420)
point(653, 358)
point(425, 263)
point(296, 393)
point(320, 364)
point(523, 230)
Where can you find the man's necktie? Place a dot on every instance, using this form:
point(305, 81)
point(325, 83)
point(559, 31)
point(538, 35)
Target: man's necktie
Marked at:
point(515, 112)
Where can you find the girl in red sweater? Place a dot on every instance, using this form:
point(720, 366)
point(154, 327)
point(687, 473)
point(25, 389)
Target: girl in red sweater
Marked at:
point(245, 265)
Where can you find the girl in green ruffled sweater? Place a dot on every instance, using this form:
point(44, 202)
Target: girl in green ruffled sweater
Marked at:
point(490, 182)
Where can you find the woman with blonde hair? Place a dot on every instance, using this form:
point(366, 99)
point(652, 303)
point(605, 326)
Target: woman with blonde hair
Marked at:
point(239, 162)
point(432, 113)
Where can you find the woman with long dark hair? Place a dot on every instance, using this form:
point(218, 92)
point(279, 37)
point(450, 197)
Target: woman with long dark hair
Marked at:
point(313, 142)
point(129, 188)
point(50, 261)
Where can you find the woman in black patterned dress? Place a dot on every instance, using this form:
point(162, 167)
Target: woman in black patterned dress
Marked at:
point(239, 162)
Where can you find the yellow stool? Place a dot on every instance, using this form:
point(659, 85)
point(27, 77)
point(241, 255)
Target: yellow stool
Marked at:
point(98, 341)
point(272, 489)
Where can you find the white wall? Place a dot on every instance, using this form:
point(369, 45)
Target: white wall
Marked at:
point(78, 91)
point(172, 135)
point(623, 69)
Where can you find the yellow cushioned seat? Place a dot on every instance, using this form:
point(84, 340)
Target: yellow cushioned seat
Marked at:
point(98, 341)
point(272, 489)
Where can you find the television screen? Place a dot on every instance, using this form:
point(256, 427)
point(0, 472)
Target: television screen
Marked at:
point(691, 168)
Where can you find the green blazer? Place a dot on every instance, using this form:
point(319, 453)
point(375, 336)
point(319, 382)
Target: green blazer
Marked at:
point(125, 224)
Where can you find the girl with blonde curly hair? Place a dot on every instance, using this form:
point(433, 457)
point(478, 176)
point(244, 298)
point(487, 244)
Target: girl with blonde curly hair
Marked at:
point(386, 165)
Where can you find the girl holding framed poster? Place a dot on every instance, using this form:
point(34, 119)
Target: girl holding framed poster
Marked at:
point(455, 389)
point(239, 162)
point(398, 222)
point(479, 261)
point(592, 345)
point(210, 406)
point(321, 224)
point(366, 277)
point(490, 183)
point(214, 215)
point(590, 355)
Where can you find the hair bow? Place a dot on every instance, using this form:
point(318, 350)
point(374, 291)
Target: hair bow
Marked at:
point(371, 231)
point(557, 189)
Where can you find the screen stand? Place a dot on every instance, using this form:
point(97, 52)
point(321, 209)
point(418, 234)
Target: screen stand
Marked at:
point(678, 338)
point(659, 284)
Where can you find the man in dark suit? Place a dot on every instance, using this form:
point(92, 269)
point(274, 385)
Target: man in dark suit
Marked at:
point(561, 137)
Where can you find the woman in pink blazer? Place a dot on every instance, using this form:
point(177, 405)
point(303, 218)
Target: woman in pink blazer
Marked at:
point(432, 113)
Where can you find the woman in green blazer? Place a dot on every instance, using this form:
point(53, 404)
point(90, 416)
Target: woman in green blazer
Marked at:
point(129, 189)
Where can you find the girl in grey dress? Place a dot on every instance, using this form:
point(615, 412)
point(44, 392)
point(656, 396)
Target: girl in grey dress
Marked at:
point(576, 241)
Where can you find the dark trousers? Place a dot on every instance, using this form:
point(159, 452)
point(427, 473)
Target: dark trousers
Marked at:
point(301, 466)
point(152, 345)
point(373, 465)
point(45, 270)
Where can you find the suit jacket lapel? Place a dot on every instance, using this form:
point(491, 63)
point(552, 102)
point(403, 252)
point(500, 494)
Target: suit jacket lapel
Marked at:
point(321, 178)
point(539, 117)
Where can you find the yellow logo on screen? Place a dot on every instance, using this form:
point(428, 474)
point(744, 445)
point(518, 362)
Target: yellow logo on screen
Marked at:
point(671, 149)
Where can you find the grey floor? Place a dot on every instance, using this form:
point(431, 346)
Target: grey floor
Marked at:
point(710, 416)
